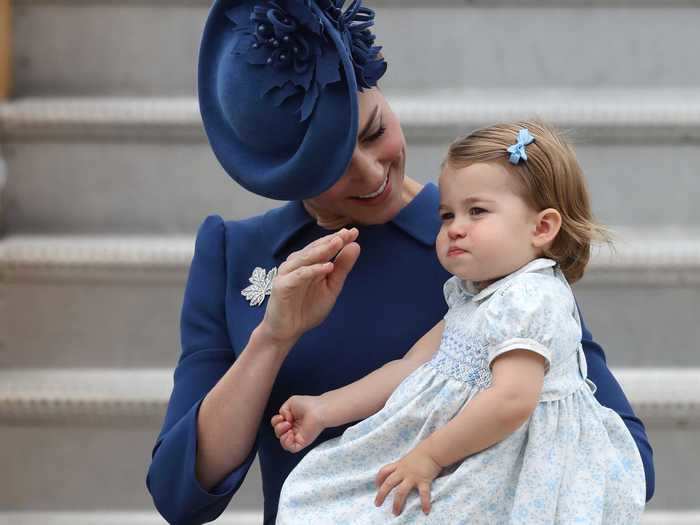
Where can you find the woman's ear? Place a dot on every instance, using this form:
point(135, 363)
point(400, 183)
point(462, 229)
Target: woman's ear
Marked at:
point(547, 226)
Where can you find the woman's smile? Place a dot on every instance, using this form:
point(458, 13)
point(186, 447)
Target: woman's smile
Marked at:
point(375, 193)
point(377, 197)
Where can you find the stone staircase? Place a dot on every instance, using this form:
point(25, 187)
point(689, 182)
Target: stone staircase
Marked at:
point(108, 174)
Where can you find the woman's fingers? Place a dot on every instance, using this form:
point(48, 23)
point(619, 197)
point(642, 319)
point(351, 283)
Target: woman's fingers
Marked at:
point(343, 264)
point(305, 274)
point(319, 251)
point(344, 233)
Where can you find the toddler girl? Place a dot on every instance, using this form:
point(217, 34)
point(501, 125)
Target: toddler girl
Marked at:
point(489, 418)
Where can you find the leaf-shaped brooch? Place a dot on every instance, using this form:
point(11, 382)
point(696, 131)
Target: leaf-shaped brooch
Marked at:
point(261, 285)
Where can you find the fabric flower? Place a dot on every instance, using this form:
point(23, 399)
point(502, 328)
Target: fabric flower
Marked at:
point(287, 38)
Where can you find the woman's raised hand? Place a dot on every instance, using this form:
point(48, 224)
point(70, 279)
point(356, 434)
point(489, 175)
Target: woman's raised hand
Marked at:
point(299, 422)
point(307, 285)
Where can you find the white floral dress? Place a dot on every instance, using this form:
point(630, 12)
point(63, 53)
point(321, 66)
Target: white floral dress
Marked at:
point(572, 462)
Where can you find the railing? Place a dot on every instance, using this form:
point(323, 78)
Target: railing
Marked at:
point(5, 49)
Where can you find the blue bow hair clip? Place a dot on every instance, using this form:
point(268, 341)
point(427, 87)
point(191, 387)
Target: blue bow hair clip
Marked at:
point(517, 150)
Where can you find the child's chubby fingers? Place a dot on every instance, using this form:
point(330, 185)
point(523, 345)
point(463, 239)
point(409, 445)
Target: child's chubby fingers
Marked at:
point(286, 440)
point(424, 491)
point(281, 428)
point(387, 486)
point(277, 419)
point(400, 495)
point(383, 473)
point(286, 413)
point(290, 442)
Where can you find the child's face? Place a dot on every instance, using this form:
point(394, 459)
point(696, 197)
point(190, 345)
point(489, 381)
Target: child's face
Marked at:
point(487, 228)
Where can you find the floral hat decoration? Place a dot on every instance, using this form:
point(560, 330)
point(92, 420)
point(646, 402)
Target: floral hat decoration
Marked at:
point(278, 83)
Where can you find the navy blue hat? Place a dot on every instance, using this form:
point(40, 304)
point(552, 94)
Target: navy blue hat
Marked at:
point(278, 82)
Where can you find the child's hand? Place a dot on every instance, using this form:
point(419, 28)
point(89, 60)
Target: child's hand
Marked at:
point(299, 422)
point(416, 469)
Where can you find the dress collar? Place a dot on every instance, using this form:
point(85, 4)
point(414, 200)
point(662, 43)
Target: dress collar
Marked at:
point(281, 224)
point(419, 219)
point(533, 266)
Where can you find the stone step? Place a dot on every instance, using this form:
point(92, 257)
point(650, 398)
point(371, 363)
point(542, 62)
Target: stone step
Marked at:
point(115, 301)
point(121, 165)
point(68, 428)
point(237, 518)
point(82, 439)
point(450, 43)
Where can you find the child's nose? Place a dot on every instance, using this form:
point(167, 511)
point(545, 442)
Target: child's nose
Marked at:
point(457, 230)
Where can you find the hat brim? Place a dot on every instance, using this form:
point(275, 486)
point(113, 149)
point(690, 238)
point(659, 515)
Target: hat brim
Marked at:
point(327, 142)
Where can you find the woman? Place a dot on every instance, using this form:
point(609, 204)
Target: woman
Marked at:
point(289, 101)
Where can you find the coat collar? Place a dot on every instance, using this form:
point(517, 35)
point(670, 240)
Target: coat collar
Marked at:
point(479, 295)
point(419, 219)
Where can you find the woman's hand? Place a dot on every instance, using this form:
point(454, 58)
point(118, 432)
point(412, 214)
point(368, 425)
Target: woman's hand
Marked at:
point(307, 285)
point(415, 470)
point(299, 422)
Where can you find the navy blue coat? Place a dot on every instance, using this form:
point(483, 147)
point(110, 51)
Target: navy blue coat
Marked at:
point(390, 299)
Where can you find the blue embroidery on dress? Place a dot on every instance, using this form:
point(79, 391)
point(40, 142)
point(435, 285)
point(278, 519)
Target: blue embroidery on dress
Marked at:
point(462, 357)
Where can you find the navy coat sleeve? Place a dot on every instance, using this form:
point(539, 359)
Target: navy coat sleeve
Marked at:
point(610, 394)
point(206, 356)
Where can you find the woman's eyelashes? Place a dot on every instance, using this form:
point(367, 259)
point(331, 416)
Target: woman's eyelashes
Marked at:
point(374, 136)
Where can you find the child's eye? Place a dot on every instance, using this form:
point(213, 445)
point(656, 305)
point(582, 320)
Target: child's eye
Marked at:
point(446, 216)
point(477, 211)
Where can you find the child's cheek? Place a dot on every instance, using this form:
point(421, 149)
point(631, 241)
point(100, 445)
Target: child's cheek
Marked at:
point(441, 246)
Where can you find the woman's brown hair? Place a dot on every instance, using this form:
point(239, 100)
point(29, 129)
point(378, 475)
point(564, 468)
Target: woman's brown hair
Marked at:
point(550, 178)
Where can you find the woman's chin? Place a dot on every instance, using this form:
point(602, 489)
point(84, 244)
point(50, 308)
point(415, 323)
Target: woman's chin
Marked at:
point(380, 214)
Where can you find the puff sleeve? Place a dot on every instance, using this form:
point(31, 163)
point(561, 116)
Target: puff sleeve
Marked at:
point(528, 313)
point(206, 355)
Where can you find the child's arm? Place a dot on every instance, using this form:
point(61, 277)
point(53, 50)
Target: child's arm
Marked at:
point(494, 413)
point(368, 395)
point(302, 418)
point(517, 378)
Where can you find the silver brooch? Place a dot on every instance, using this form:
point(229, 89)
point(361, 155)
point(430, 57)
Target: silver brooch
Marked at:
point(261, 285)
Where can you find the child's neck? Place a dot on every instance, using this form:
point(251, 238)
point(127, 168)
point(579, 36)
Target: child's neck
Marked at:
point(481, 285)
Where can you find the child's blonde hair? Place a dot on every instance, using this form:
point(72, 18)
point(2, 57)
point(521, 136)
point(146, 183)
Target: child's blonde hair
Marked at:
point(550, 178)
